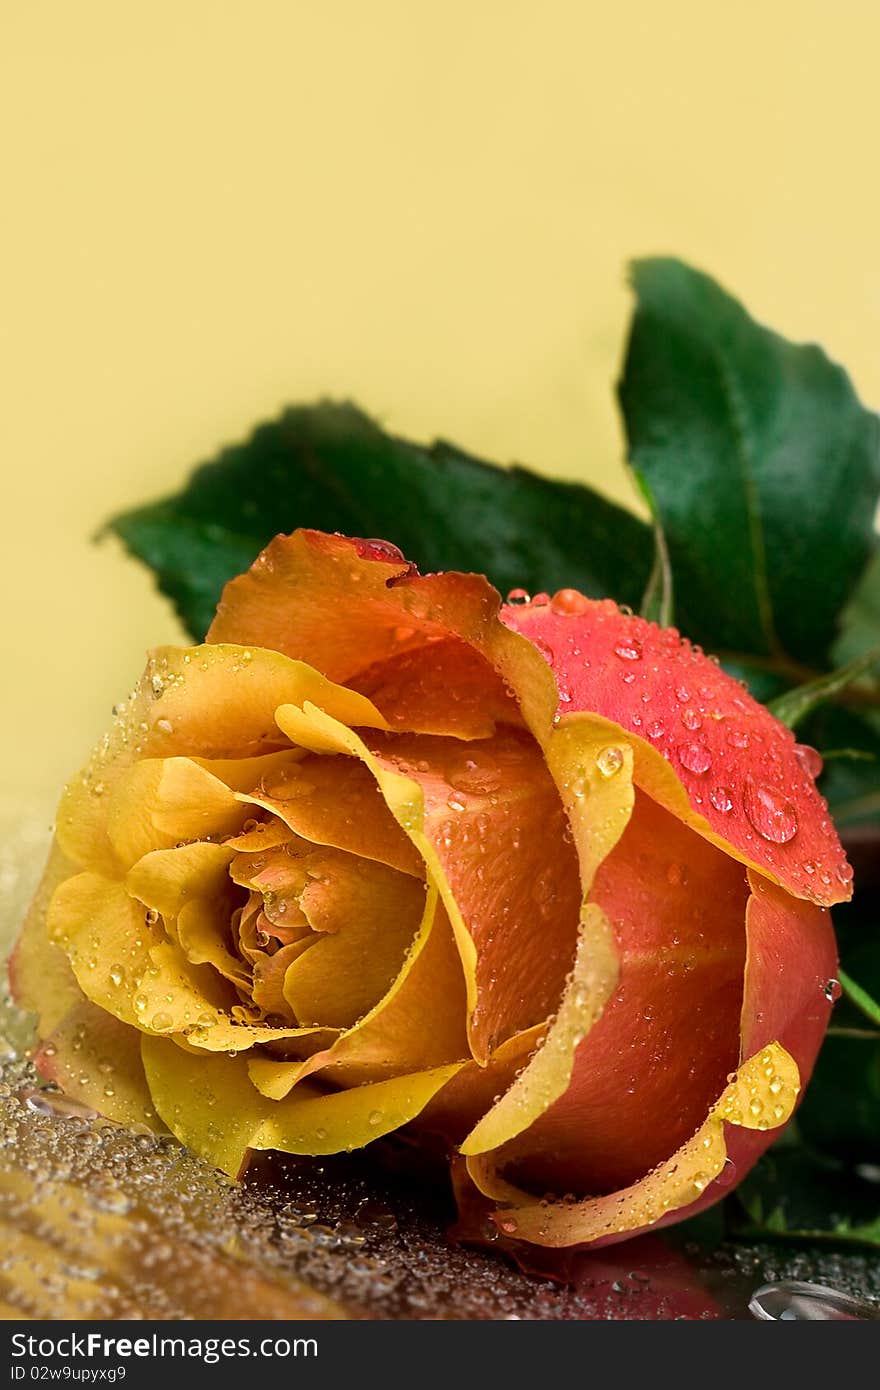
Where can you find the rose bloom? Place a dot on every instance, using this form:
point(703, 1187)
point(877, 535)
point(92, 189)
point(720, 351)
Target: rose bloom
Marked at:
point(537, 878)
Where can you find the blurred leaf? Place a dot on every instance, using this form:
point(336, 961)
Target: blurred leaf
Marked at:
point(764, 466)
point(794, 1193)
point(860, 997)
point(851, 785)
point(329, 466)
point(860, 624)
point(840, 1114)
point(795, 704)
point(658, 600)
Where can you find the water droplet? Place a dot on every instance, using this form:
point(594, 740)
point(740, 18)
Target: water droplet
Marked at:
point(140, 1003)
point(151, 916)
point(691, 719)
point(609, 761)
point(682, 694)
point(793, 1300)
point(738, 738)
point(569, 602)
point(721, 799)
point(165, 726)
point(844, 872)
point(508, 1225)
point(57, 1106)
point(769, 812)
point(162, 1022)
point(809, 759)
point(833, 991)
point(518, 597)
point(629, 650)
point(540, 600)
point(695, 757)
point(655, 729)
point(117, 974)
point(375, 1117)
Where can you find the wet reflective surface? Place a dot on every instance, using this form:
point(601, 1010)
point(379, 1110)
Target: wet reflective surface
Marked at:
point(99, 1222)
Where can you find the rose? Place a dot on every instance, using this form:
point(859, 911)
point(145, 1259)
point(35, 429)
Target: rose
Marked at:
point(540, 878)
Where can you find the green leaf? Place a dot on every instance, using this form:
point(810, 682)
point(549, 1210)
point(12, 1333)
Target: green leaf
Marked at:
point(658, 600)
point(795, 1193)
point(329, 466)
point(860, 623)
point(840, 1114)
point(860, 997)
point(794, 705)
point(764, 467)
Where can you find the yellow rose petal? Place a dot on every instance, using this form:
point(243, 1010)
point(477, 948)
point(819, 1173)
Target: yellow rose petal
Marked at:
point(96, 1060)
point(547, 1074)
point(39, 972)
point(210, 1104)
point(160, 801)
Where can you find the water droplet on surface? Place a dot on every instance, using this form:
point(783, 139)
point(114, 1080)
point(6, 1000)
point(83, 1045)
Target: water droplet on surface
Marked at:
point(695, 757)
point(540, 600)
point(655, 729)
point(57, 1106)
point(117, 974)
point(833, 991)
point(151, 916)
point(568, 602)
point(721, 799)
point(845, 873)
point(792, 1300)
point(161, 1022)
point(691, 719)
point(769, 812)
point(629, 649)
point(518, 597)
point(738, 738)
point(165, 726)
point(610, 761)
point(809, 759)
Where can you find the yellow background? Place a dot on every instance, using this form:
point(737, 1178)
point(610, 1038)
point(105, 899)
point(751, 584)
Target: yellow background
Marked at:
point(211, 207)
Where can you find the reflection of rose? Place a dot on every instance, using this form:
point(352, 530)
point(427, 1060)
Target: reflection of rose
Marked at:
point(543, 880)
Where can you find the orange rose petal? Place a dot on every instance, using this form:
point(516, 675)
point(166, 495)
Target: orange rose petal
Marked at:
point(418, 1024)
point(244, 774)
point(652, 1066)
point(335, 801)
point(39, 972)
point(344, 605)
point(792, 957)
point(547, 1074)
point(446, 688)
point(457, 1108)
point(784, 1016)
point(211, 1105)
point(268, 982)
point(96, 1060)
point(262, 835)
point(367, 916)
point(497, 827)
point(678, 1183)
point(704, 747)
